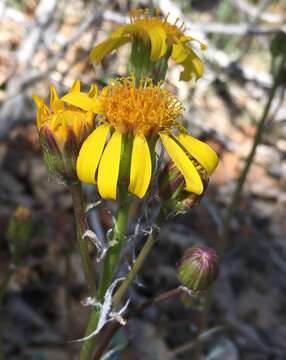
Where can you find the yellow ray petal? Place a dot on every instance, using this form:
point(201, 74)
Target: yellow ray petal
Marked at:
point(201, 151)
point(38, 101)
point(90, 153)
point(141, 167)
point(90, 118)
point(80, 99)
point(75, 86)
point(184, 164)
point(43, 110)
point(158, 42)
point(55, 102)
point(92, 91)
point(179, 53)
point(193, 66)
point(108, 170)
point(106, 47)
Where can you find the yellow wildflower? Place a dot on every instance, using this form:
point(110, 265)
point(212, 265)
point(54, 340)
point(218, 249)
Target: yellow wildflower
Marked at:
point(142, 112)
point(160, 35)
point(60, 118)
point(62, 130)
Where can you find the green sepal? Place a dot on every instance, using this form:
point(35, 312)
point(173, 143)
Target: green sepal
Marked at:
point(141, 65)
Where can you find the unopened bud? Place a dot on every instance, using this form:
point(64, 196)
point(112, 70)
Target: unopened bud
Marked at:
point(62, 130)
point(175, 199)
point(198, 268)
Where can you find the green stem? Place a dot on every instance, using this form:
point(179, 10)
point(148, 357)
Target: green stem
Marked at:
point(147, 247)
point(234, 203)
point(124, 201)
point(108, 270)
point(87, 346)
point(118, 296)
point(113, 254)
point(82, 227)
point(112, 257)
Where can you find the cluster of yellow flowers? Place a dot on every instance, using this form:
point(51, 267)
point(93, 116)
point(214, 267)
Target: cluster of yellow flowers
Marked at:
point(137, 109)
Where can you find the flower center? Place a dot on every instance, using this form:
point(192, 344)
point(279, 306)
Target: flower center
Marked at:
point(144, 109)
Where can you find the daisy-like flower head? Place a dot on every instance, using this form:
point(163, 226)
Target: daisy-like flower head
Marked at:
point(62, 130)
point(161, 36)
point(141, 113)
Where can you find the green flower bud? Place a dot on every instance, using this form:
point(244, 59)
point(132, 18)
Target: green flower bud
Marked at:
point(171, 183)
point(198, 268)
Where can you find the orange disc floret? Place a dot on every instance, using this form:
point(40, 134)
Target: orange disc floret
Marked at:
point(146, 109)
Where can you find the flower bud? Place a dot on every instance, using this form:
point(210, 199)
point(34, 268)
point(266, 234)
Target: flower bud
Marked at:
point(62, 130)
point(175, 200)
point(198, 268)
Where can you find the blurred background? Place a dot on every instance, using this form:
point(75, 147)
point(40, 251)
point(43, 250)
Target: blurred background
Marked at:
point(41, 282)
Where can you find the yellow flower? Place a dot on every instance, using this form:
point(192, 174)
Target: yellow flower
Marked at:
point(160, 35)
point(62, 130)
point(59, 118)
point(141, 112)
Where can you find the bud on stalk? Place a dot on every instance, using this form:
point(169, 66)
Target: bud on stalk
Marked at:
point(175, 200)
point(198, 268)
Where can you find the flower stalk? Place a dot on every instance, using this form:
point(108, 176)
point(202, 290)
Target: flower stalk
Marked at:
point(113, 254)
point(108, 270)
point(124, 201)
point(88, 345)
point(151, 240)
